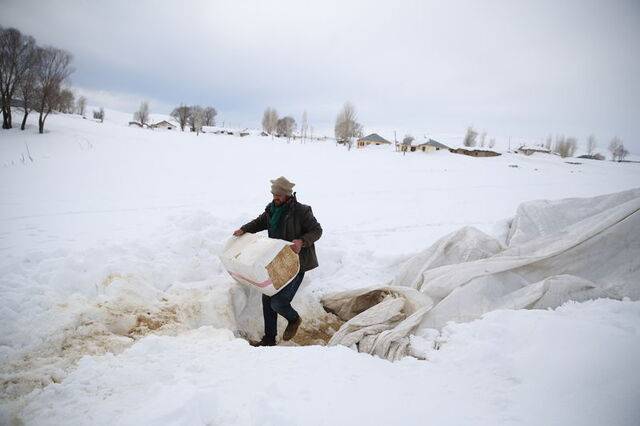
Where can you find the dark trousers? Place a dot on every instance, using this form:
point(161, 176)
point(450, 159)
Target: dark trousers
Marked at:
point(280, 303)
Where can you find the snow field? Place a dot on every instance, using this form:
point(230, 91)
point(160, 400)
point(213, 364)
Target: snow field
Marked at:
point(112, 234)
point(511, 367)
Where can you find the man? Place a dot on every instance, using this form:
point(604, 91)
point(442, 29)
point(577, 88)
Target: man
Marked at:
point(286, 219)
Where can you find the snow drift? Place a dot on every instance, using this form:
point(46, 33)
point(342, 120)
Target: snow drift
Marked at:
point(556, 251)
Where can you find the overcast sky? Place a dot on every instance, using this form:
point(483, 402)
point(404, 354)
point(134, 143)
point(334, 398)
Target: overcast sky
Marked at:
point(511, 68)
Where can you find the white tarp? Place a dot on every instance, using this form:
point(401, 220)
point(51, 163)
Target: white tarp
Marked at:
point(573, 249)
point(379, 320)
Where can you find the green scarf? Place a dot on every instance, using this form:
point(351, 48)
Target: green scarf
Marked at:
point(275, 215)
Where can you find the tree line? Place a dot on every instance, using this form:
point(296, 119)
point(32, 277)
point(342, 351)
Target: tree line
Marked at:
point(346, 126)
point(567, 146)
point(275, 125)
point(195, 116)
point(561, 145)
point(34, 75)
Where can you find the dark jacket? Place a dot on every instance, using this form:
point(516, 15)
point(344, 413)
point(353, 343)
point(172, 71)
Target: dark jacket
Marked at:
point(298, 223)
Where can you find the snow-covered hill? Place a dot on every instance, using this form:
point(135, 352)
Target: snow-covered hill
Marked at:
point(109, 235)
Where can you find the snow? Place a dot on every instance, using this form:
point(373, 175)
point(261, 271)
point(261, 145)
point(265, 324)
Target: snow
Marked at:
point(511, 367)
point(115, 306)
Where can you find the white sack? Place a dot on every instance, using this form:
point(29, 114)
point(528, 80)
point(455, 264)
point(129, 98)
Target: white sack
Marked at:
point(259, 262)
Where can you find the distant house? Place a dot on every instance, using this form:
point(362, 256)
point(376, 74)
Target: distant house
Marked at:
point(528, 150)
point(474, 152)
point(212, 129)
point(164, 124)
point(225, 131)
point(135, 123)
point(405, 147)
point(431, 146)
point(17, 103)
point(596, 156)
point(372, 139)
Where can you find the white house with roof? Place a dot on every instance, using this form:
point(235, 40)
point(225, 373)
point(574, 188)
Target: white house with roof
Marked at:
point(372, 139)
point(164, 124)
point(430, 146)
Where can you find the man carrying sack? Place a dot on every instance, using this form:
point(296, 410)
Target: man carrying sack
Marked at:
point(286, 219)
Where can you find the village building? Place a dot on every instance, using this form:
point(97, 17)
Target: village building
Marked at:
point(372, 139)
point(164, 124)
point(431, 146)
point(596, 156)
point(474, 152)
point(528, 150)
point(405, 147)
point(135, 123)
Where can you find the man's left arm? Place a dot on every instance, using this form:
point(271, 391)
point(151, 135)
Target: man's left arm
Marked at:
point(311, 229)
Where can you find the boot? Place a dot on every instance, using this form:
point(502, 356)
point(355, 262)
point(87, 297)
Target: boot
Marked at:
point(266, 341)
point(292, 329)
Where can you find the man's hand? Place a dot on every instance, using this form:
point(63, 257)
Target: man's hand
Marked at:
point(238, 232)
point(296, 246)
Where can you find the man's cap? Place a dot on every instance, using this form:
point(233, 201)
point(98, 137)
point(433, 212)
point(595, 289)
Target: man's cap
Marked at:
point(282, 186)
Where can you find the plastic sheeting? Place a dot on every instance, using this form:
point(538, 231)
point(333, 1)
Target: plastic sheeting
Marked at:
point(379, 320)
point(572, 249)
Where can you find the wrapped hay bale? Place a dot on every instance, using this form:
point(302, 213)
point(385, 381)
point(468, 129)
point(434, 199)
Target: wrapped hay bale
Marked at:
point(265, 264)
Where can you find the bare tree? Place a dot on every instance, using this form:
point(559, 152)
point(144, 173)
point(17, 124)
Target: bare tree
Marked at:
point(196, 118)
point(557, 144)
point(617, 149)
point(66, 101)
point(591, 144)
point(265, 120)
point(549, 142)
point(614, 146)
point(142, 114)
point(470, 137)
point(483, 137)
point(17, 56)
point(286, 127)
point(270, 120)
point(54, 67)
point(28, 93)
point(181, 114)
point(408, 140)
point(304, 126)
point(622, 154)
point(572, 145)
point(99, 115)
point(209, 116)
point(565, 147)
point(492, 143)
point(81, 105)
point(347, 126)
